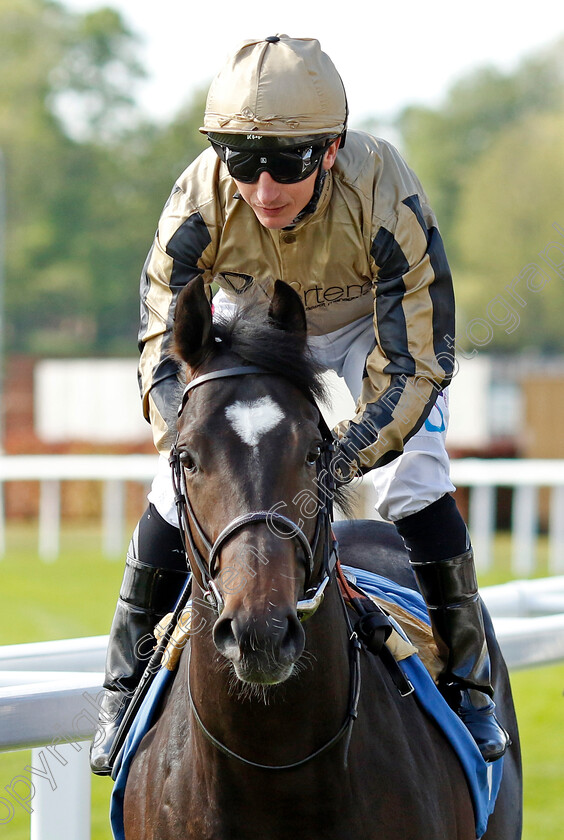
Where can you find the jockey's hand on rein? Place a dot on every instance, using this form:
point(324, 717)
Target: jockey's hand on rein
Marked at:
point(344, 464)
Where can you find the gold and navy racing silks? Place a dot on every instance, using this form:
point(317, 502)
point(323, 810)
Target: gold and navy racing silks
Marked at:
point(372, 245)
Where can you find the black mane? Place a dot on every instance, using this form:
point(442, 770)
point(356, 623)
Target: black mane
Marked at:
point(257, 340)
point(254, 338)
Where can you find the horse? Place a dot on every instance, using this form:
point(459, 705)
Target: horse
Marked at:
point(278, 722)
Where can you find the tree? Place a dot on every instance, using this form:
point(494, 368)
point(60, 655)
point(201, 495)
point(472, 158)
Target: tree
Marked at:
point(124, 204)
point(48, 173)
point(442, 144)
point(86, 177)
point(510, 211)
point(491, 160)
point(92, 86)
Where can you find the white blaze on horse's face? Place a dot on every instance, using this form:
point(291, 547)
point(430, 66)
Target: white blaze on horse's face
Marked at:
point(253, 419)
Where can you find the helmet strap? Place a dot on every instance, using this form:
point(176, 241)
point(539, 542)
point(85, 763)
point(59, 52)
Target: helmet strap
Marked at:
point(311, 206)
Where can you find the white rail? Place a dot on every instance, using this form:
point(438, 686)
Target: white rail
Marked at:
point(525, 477)
point(51, 470)
point(483, 477)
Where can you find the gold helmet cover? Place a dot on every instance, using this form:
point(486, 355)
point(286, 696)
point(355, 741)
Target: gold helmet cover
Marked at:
point(277, 87)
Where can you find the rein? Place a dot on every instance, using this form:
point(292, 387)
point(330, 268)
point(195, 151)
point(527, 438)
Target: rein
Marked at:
point(345, 730)
point(313, 595)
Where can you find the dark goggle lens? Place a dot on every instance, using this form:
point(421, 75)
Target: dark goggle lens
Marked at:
point(286, 167)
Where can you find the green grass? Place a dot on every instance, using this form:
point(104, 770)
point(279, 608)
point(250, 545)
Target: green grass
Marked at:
point(75, 596)
point(71, 597)
point(540, 710)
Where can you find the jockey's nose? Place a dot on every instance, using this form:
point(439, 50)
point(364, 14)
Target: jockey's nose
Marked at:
point(267, 188)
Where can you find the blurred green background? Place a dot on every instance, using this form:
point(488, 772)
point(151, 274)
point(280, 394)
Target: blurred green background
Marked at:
point(87, 173)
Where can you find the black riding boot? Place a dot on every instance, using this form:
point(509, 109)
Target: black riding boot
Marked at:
point(147, 594)
point(450, 590)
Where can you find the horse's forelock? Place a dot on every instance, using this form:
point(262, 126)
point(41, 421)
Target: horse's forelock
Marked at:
point(251, 336)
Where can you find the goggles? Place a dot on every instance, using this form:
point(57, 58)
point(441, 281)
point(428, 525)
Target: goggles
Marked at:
point(286, 166)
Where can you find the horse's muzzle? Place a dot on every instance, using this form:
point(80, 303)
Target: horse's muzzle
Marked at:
point(262, 649)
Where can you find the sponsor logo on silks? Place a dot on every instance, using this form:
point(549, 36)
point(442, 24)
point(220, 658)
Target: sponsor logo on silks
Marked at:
point(237, 281)
point(430, 426)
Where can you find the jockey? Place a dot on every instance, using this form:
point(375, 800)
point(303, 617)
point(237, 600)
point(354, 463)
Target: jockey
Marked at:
point(286, 192)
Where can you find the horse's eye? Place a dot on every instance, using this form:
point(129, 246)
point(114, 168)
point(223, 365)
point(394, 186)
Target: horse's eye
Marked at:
point(313, 454)
point(188, 463)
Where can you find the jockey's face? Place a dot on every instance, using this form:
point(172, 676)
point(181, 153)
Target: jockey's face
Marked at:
point(276, 205)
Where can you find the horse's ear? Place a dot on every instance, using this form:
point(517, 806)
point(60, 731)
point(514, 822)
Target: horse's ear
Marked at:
point(286, 310)
point(193, 337)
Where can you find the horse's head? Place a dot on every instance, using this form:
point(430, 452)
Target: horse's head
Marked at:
point(248, 450)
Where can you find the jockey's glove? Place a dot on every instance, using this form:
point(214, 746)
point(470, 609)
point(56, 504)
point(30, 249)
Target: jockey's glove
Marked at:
point(358, 446)
point(344, 464)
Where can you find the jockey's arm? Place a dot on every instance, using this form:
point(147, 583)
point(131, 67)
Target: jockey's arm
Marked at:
point(412, 360)
point(173, 261)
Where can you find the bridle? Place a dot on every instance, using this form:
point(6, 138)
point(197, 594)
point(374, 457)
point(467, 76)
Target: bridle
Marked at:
point(279, 524)
point(321, 554)
point(323, 541)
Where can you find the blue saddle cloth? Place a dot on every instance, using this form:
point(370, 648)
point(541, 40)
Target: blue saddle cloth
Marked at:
point(483, 779)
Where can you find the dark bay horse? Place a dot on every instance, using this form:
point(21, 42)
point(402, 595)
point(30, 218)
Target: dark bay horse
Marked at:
point(255, 738)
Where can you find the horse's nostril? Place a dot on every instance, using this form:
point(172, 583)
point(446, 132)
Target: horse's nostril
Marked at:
point(278, 642)
point(293, 642)
point(224, 637)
